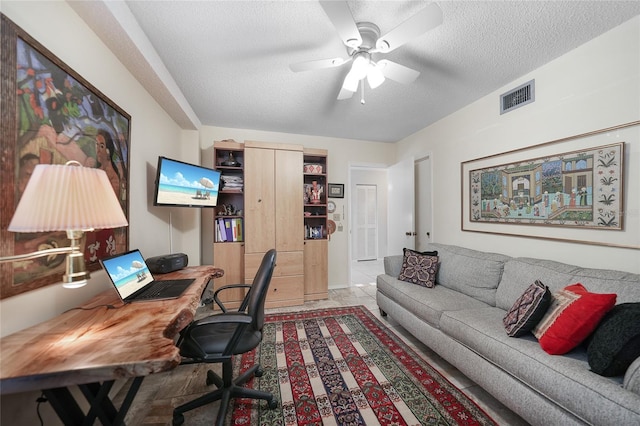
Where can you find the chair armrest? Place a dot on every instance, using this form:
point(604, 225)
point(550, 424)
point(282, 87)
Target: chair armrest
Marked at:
point(227, 287)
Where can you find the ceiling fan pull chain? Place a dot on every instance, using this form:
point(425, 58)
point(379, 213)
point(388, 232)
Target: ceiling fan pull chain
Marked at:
point(362, 92)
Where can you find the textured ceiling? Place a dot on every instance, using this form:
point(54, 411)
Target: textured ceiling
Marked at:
point(226, 63)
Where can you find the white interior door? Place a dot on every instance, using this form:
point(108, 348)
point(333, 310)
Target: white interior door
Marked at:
point(366, 225)
point(401, 206)
point(424, 212)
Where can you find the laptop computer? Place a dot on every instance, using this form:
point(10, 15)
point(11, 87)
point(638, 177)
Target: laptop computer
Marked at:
point(133, 281)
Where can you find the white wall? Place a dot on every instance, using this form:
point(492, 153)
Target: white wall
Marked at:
point(58, 28)
point(593, 87)
point(340, 153)
point(153, 133)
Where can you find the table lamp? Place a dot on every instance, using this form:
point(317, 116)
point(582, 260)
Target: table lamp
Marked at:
point(69, 198)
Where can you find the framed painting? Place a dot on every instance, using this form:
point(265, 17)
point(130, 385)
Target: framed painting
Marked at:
point(336, 190)
point(51, 115)
point(572, 189)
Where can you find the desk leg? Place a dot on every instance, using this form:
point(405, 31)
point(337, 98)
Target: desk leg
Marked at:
point(100, 406)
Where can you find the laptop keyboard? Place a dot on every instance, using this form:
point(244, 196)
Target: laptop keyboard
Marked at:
point(155, 290)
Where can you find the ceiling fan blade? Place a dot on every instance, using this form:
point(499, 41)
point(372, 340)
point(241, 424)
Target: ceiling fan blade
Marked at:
point(423, 21)
point(397, 72)
point(318, 64)
point(340, 15)
point(345, 94)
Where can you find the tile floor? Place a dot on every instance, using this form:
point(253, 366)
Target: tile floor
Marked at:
point(160, 392)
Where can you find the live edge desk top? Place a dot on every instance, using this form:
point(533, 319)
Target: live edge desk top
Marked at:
point(89, 346)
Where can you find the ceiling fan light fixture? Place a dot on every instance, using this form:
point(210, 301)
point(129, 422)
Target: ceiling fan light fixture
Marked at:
point(360, 66)
point(375, 77)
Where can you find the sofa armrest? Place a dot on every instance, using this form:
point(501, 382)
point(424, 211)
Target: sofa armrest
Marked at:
point(392, 265)
point(632, 377)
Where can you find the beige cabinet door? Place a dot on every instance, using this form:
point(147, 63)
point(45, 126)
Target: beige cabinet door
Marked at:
point(315, 270)
point(289, 220)
point(259, 200)
point(230, 258)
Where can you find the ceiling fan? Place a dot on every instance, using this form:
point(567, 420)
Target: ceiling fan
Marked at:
point(363, 39)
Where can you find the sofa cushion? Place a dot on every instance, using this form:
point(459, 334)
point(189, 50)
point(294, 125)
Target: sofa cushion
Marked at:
point(573, 315)
point(425, 303)
point(472, 272)
point(528, 310)
point(419, 268)
point(616, 342)
point(520, 272)
point(563, 379)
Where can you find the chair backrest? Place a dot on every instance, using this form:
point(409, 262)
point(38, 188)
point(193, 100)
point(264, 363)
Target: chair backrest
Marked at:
point(259, 289)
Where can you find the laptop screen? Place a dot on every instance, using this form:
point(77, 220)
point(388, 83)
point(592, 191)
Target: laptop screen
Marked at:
point(128, 272)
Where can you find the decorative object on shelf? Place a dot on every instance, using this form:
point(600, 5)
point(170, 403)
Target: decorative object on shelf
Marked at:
point(69, 198)
point(68, 120)
point(230, 161)
point(313, 169)
point(313, 192)
point(331, 207)
point(229, 210)
point(574, 185)
point(336, 190)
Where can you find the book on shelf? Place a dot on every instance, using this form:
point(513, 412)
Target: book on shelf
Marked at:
point(229, 229)
point(314, 232)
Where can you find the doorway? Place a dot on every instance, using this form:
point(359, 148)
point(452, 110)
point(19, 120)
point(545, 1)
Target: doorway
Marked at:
point(365, 228)
point(365, 271)
point(423, 203)
point(367, 223)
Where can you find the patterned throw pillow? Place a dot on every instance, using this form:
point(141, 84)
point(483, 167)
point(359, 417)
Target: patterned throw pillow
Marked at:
point(616, 342)
point(419, 268)
point(528, 310)
point(573, 315)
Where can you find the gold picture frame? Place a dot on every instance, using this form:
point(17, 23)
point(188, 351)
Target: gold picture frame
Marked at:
point(572, 189)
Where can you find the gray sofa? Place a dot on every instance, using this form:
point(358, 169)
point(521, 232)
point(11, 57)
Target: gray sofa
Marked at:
point(461, 319)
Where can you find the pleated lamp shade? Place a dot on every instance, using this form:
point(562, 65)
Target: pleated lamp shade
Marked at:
point(67, 197)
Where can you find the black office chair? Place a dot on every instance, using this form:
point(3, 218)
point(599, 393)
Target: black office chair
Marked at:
point(218, 337)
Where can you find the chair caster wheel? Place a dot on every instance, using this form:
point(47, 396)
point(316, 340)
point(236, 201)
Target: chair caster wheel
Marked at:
point(259, 372)
point(273, 404)
point(178, 419)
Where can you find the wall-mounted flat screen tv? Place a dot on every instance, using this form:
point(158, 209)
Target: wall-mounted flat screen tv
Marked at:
point(187, 185)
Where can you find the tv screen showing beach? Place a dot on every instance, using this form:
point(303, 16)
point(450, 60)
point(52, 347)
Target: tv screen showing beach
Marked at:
point(183, 184)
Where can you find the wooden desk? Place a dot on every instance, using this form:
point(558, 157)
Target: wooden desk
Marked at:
point(97, 346)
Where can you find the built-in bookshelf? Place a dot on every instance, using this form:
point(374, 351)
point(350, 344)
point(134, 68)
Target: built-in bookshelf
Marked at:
point(228, 248)
point(316, 242)
point(229, 213)
point(315, 194)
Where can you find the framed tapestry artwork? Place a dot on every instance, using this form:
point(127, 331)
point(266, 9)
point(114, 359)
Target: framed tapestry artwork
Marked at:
point(51, 115)
point(336, 190)
point(572, 189)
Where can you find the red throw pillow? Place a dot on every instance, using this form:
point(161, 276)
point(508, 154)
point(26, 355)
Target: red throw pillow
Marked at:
point(574, 313)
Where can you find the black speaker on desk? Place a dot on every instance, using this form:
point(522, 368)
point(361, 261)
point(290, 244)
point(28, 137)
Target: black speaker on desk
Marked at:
point(167, 263)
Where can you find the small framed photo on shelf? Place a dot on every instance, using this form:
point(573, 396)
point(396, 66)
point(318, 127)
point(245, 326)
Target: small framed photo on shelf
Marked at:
point(336, 190)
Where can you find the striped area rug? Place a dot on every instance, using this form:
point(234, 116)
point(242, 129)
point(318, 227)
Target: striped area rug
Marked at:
point(342, 366)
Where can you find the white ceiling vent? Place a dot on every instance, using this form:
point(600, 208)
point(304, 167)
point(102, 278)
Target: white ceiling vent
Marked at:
point(518, 97)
